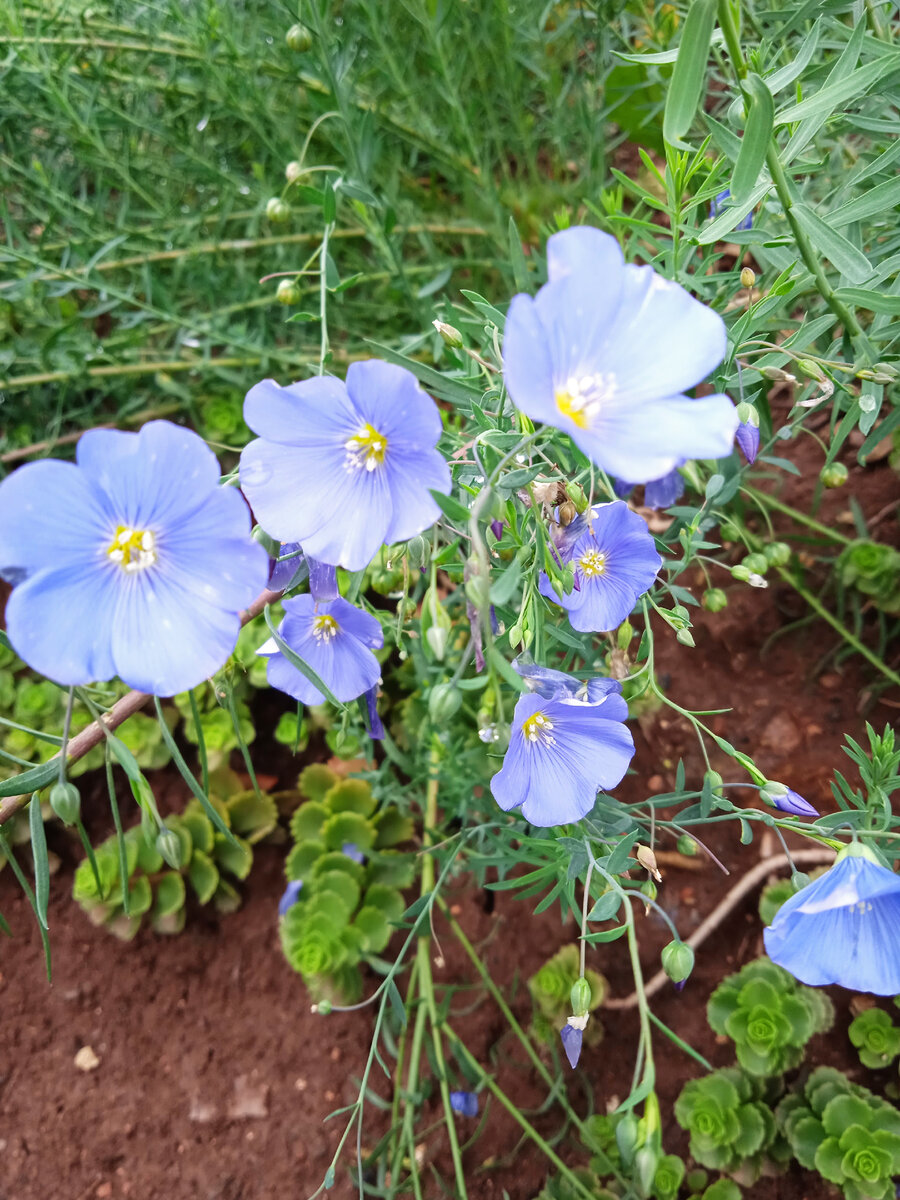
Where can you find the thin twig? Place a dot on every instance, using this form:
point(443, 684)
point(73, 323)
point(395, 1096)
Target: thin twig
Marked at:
point(724, 908)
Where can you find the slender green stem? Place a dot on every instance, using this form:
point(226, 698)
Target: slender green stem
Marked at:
point(795, 515)
point(64, 745)
point(783, 188)
point(498, 1093)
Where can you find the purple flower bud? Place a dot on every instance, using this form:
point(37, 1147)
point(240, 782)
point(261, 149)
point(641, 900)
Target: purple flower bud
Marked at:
point(571, 1040)
point(747, 437)
point(290, 897)
point(376, 728)
point(353, 851)
point(497, 529)
point(464, 1103)
point(289, 568)
point(787, 800)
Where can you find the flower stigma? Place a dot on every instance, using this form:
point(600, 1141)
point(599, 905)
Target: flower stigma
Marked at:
point(325, 628)
point(538, 729)
point(132, 549)
point(366, 448)
point(582, 396)
point(593, 563)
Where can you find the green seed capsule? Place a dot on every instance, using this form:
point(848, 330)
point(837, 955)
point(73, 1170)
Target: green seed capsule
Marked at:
point(287, 292)
point(580, 997)
point(293, 171)
point(677, 961)
point(834, 475)
point(778, 553)
point(756, 564)
point(444, 702)
point(277, 210)
point(714, 600)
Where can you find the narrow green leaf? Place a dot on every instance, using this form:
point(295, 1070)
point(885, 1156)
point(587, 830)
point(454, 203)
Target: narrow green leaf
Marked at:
point(452, 509)
point(663, 56)
point(854, 86)
point(120, 836)
point(329, 203)
point(784, 75)
point(29, 781)
point(880, 199)
point(879, 302)
point(6, 850)
point(396, 1002)
point(689, 75)
point(39, 854)
point(833, 245)
point(517, 257)
point(755, 142)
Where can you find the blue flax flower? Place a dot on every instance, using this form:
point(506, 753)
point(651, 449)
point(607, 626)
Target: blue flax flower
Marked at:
point(747, 437)
point(658, 493)
point(605, 352)
point(290, 897)
point(342, 468)
point(615, 562)
point(335, 639)
point(464, 1103)
point(132, 561)
point(720, 203)
point(561, 752)
point(842, 928)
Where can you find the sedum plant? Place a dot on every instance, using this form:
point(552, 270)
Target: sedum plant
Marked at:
point(876, 1037)
point(730, 1123)
point(769, 1016)
point(198, 857)
point(845, 1132)
point(350, 875)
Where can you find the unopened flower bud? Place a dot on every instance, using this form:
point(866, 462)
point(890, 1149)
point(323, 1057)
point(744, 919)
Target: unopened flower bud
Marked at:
point(567, 512)
point(298, 38)
point(729, 532)
point(800, 880)
point(624, 634)
point(627, 1137)
point(417, 552)
point(756, 564)
point(451, 336)
point(812, 369)
point(685, 637)
point(277, 210)
point(65, 800)
point(687, 846)
point(715, 781)
point(778, 553)
point(293, 171)
point(580, 997)
point(677, 961)
point(287, 292)
point(576, 494)
point(168, 846)
point(646, 1162)
point(436, 637)
point(649, 889)
point(747, 414)
point(834, 475)
point(444, 701)
point(748, 278)
point(323, 1008)
point(647, 859)
point(714, 600)
point(740, 573)
point(786, 800)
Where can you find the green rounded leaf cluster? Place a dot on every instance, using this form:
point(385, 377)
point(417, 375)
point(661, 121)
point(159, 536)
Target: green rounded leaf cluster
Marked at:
point(729, 1123)
point(769, 1016)
point(876, 1037)
point(845, 1132)
point(208, 861)
point(346, 910)
point(873, 569)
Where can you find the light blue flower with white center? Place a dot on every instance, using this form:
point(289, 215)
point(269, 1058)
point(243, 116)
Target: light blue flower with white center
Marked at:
point(335, 639)
point(605, 352)
point(561, 753)
point(342, 468)
point(842, 928)
point(615, 561)
point(131, 561)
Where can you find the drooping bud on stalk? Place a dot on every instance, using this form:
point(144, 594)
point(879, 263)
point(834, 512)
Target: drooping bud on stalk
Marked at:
point(450, 335)
point(714, 600)
point(277, 210)
point(580, 997)
point(298, 38)
point(748, 278)
point(834, 475)
point(577, 495)
point(444, 701)
point(293, 171)
point(287, 292)
point(647, 859)
point(168, 846)
point(677, 960)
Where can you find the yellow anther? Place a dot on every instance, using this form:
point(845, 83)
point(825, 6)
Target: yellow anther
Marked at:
point(132, 549)
point(366, 448)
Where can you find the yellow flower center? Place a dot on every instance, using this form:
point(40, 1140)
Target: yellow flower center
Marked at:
point(132, 549)
point(366, 448)
point(593, 563)
point(325, 628)
point(581, 397)
point(538, 728)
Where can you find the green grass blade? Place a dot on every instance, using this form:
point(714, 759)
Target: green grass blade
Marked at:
point(755, 143)
point(689, 75)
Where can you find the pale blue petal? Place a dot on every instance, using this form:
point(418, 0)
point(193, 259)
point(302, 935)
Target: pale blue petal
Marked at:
point(59, 622)
point(390, 399)
point(644, 441)
point(584, 250)
point(166, 638)
point(281, 675)
point(344, 663)
point(527, 363)
point(662, 340)
point(51, 515)
point(154, 477)
point(314, 411)
point(409, 479)
point(664, 492)
point(355, 621)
